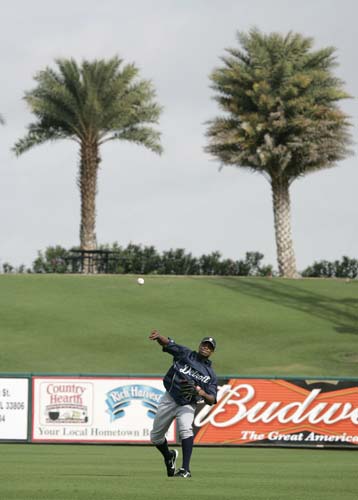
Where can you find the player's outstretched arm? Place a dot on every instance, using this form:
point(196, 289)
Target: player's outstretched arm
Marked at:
point(155, 335)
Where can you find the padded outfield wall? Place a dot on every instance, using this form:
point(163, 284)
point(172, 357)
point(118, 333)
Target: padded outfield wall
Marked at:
point(272, 411)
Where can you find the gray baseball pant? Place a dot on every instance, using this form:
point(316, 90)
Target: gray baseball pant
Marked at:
point(168, 410)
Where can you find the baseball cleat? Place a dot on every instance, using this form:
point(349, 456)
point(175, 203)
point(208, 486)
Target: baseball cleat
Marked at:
point(170, 464)
point(182, 473)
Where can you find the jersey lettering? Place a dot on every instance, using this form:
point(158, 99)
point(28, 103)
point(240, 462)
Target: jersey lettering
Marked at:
point(188, 370)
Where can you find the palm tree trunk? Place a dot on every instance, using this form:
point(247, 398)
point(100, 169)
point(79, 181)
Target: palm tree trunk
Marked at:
point(282, 217)
point(87, 182)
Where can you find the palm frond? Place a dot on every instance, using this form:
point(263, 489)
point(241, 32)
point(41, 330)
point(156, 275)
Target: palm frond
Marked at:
point(144, 136)
point(36, 136)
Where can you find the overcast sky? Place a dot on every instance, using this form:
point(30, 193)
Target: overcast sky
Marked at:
point(179, 199)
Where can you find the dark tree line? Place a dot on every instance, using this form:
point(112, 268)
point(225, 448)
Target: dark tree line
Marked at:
point(139, 259)
point(345, 268)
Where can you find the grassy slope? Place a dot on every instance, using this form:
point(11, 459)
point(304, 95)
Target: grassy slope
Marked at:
point(57, 472)
point(100, 324)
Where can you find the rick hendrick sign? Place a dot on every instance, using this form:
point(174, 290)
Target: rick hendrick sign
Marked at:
point(282, 413)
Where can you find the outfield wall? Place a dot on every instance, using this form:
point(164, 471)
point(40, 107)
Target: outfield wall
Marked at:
point(272, 411)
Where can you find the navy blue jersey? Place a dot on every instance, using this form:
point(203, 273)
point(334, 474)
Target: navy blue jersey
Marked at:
point(188, 365)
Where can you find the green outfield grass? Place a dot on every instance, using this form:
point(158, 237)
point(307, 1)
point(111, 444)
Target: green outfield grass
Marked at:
point(58, 472)
point(100, 324)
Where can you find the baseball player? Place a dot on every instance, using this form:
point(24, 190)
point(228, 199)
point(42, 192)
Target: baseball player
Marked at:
point(189, 380)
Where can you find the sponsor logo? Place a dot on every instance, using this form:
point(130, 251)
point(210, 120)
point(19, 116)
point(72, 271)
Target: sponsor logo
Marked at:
point(66, 403)
point(259, 410)
point(121, 397)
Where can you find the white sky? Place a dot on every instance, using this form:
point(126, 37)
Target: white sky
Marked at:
point(179, 199)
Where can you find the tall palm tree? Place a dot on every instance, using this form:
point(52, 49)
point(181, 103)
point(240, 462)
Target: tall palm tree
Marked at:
point(91, 104)
point(282, 118)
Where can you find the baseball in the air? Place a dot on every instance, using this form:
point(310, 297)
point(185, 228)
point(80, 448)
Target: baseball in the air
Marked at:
point(140, 281)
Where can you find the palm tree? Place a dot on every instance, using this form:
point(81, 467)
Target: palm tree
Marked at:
point(2, 121)
point(91, 104)
point(282, 119)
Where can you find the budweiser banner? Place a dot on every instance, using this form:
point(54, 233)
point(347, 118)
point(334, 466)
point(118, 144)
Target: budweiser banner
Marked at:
point(279, 412)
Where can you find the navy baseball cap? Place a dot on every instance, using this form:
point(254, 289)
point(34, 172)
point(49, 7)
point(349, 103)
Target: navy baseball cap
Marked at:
point(210, 340)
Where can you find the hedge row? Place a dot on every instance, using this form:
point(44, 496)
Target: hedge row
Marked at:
point(139, 259)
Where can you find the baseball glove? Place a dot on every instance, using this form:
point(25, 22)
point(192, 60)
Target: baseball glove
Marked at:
point(187, 389)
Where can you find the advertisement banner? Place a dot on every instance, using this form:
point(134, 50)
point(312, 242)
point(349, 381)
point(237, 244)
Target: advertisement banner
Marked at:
point(95, 409)
point(279, 412)
point(14, 396)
